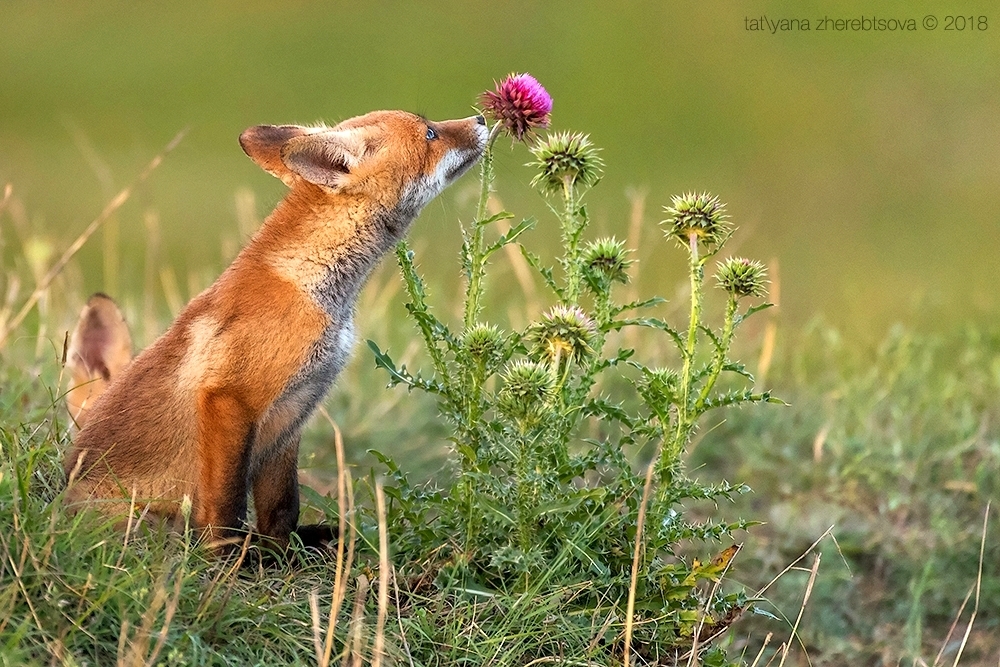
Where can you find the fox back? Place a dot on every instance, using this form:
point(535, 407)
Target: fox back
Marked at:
point(213, 409)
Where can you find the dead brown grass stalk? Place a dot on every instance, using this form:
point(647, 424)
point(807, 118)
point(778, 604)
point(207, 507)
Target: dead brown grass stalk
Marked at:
point(636, 558)
point(802, 608)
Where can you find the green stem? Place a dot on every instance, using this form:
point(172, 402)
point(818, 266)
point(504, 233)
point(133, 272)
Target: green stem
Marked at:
point(682, 432)
point(668, 466)
point(477, 261)
point(415, 291)
point(571, 244)
point(720, 354)
point(524, 493)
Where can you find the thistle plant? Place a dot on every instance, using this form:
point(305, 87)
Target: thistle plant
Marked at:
point(538, 501)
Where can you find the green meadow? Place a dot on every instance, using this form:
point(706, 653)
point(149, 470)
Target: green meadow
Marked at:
point(858, 165)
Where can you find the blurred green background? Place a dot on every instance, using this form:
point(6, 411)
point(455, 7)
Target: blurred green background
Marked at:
point(864, 163)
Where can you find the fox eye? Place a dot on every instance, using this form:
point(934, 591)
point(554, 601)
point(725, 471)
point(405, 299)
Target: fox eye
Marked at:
point(431, 134)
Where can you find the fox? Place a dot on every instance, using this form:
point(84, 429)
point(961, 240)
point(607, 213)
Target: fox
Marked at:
point(212, 411)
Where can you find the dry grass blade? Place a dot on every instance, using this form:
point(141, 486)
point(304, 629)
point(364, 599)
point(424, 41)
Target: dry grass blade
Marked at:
point(954, 624)
point(805, 600)
point(636, 557)
point(314, 615)
point(232, 578)
point(771, 329)
point(763, 647)
point(139, 644)
point(399, 619)
point(116, 202)
point(221, 574)
point(383, 576)
point(979, 583)
point(357, 622)
point(168, 616)
point(794, 562)
point(17, 570)
point(345, 507)
point(7, 192)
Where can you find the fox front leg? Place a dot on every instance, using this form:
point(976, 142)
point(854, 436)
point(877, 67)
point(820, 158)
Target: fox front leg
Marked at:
point(224, 431)
point(275, 482)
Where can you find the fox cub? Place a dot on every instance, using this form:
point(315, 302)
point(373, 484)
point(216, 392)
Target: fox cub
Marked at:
point(213, 409)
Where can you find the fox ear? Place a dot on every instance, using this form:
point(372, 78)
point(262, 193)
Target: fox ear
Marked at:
point(325, 158)
point(263, 144)
point(99, 349)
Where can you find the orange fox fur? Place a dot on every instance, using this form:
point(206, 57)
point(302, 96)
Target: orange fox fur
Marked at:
point(213, 409)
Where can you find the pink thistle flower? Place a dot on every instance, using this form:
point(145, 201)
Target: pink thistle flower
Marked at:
point(519, 103)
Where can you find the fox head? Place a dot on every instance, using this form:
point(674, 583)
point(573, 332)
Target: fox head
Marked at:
point(396, 159)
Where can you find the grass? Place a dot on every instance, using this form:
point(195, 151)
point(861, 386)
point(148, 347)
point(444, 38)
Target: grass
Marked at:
point(896, 447)
point(908, 522)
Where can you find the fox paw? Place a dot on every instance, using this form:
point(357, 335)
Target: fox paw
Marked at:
point(317, 535)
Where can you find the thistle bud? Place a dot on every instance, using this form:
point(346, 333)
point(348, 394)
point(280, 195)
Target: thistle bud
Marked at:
point(485, 344)
point(742, 277)
point(563, 334)
point(565, 158)
point(526, 391)
point(700, 215)
point(661, 386)
point(604, 262)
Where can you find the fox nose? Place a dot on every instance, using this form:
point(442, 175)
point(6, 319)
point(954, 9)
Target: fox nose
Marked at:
point(480, 119)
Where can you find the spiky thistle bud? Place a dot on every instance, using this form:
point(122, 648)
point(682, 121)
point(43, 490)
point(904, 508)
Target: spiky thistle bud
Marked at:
point(519, 103)
point(660, 386)
point(485, 344)
point(563, 334)
point(565, 158)
point(742, 277)
point(700, 215)
point(527, 390)
point(604, 262)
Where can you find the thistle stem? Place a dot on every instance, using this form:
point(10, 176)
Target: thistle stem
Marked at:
point(476, 260)
point(571, 243)
point(720, 355)
point(682, 432)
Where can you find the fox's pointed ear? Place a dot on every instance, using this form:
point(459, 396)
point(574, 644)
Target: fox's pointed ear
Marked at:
point(325, 158)
point(99, 350)
point(263, 143)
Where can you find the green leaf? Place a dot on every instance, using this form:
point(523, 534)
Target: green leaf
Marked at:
point(385, 460)
point(637, 305)
point(738, 398)
point(711, 334)
point(568, 505)
point(739, 369)
point(600, 407)
point(502, 215)
point(751, 311)
point(754, 609)
point(401, 375)
point(509, 237)
point(623, 354)
point(545, 271)
point(502, 513)
point(648, 322)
